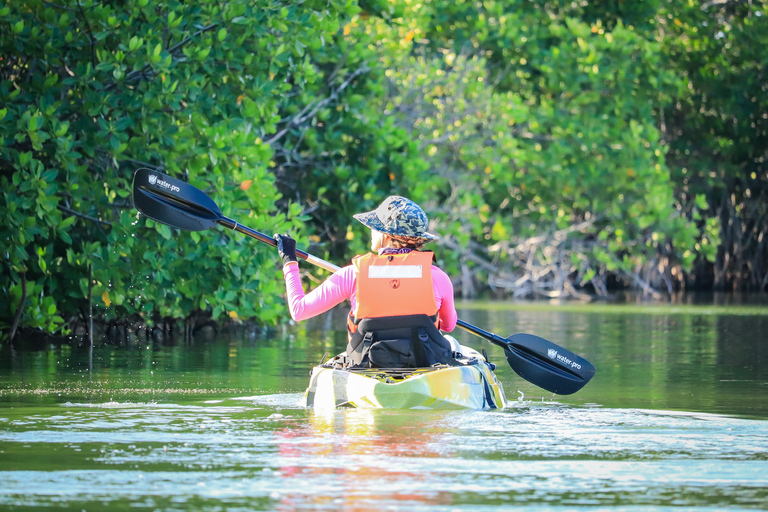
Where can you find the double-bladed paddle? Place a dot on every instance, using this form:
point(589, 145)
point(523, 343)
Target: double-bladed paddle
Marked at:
point(183, 206)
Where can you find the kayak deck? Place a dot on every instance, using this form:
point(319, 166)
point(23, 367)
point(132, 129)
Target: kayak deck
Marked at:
point(472, 386)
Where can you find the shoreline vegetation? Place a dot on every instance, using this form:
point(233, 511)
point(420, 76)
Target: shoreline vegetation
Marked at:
point(562, 150)
point(170, 331)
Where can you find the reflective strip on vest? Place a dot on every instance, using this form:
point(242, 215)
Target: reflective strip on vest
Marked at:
point(393, 272)
point(393, 285)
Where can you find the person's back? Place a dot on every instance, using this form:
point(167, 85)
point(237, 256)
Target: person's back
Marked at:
point(399, 299)
point(394, 323)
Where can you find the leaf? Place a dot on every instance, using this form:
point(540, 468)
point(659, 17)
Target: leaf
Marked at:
point(68, 221)
point(34, 123)
point(123, 123)
point(164, 230)
point(135, 43)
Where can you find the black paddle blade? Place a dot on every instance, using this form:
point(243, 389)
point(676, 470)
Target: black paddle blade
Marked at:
point(174, 202)
point(547, 365)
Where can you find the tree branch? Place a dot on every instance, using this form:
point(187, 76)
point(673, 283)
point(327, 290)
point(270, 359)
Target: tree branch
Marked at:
point(302, 117)
point(135, 74)
point(90, 34)
point(84, 216)
point(20, 309)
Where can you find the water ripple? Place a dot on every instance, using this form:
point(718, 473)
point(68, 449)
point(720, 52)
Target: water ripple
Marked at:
point(263, 452)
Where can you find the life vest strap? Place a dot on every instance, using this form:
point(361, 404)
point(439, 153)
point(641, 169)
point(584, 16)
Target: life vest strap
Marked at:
point(367, 342)
point(353, 322)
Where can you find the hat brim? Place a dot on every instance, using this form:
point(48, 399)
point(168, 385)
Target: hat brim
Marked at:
point(371, 221)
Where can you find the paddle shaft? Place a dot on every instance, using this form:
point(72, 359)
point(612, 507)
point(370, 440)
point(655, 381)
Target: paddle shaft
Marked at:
point(493, 338)
point(261, 237)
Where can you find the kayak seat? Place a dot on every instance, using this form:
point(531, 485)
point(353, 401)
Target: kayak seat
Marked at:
point(410, 341)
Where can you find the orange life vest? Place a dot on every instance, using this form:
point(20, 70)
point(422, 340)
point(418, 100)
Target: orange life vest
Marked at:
point(393, 285)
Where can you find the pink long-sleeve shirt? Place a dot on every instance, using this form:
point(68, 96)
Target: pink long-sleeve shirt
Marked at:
point(343, 284)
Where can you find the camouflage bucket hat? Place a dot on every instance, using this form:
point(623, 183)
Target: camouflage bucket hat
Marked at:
point(398, 217)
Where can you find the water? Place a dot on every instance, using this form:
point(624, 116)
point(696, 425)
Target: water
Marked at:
point(675, 419)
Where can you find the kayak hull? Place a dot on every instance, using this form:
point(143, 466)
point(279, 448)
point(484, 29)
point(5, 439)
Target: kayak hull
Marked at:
point(472, 386)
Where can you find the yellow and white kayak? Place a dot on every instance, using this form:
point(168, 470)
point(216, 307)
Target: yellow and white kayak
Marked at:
point(471, 386)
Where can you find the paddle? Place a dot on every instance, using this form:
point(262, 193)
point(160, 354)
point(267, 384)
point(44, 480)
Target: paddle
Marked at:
point(540, 361)
point(180, 205)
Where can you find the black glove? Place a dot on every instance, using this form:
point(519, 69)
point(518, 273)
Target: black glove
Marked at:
point(286, 246)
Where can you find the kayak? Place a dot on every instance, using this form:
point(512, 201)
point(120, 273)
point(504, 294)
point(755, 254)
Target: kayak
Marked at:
point(470, 386)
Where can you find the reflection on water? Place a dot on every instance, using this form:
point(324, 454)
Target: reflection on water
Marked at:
point(237, 453)
point(676, 418)
point(363, 459)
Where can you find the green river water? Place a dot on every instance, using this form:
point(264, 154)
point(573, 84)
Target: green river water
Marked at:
point(676, 418)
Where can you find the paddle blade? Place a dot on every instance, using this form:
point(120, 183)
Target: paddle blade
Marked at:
point(173, 202)
point(547, 365)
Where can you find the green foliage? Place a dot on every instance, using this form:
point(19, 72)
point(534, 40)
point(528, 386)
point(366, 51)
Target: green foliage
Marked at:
point(718, 131)
point(91, 92)
point(541, 125)
point(334, 151)
point(614, 140)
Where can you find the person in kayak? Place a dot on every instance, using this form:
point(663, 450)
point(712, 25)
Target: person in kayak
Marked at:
point(399, 299)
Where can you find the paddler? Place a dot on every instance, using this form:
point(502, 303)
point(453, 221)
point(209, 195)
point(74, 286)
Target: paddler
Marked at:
point(399, 300)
